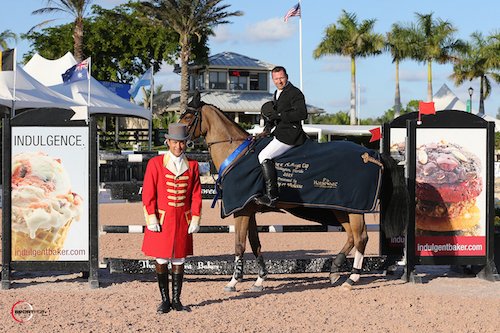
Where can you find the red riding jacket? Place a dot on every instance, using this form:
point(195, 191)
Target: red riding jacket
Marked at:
point(170, 198)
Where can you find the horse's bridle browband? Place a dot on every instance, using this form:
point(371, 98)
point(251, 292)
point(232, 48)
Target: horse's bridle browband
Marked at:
point(196, 123)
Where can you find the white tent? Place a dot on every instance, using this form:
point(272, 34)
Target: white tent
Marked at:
point(445, 99)
point(102, 101)
point(30, 93)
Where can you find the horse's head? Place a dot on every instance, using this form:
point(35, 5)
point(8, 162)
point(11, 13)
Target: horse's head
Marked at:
point(192, 116)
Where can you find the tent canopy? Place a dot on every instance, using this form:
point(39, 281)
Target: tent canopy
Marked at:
point(30, 93)
point(445, 99)
point(102, 101)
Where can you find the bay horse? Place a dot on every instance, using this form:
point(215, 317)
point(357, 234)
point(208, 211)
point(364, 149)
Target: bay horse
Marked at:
point(223, 136)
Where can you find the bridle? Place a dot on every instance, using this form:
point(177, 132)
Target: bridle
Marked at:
point(195, 124)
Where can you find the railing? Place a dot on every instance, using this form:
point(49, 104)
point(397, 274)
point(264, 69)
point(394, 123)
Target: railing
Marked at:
point(129, 137)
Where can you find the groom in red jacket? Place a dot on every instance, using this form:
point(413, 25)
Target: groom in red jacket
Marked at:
point(171, 197)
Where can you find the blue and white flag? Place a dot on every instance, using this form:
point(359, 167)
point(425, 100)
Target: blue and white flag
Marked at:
point(77, 72)
point(145, 80)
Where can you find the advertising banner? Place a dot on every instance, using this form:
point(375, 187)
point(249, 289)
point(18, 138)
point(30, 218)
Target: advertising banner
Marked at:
point(450, 192)
point(50, 193)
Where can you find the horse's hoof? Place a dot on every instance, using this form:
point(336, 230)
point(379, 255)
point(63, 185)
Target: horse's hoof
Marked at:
point(334, 277)
point(256, 288)
point(346, 286)
point(230, 289)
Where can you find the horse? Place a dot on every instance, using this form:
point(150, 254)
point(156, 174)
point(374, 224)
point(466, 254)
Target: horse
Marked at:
point(223, 136)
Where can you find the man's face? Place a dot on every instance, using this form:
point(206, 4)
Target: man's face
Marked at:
point(176, 147)
point(279, 79)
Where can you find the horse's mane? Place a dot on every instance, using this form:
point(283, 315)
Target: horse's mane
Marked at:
point(227, 117)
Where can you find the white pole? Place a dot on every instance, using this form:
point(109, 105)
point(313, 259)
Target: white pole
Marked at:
point(150, 134)
point(300, 47)
point(88, 93)
point(359, 104)
point(13, 111)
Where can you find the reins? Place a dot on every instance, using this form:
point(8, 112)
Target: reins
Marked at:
point(196, 123)
point(226, 164)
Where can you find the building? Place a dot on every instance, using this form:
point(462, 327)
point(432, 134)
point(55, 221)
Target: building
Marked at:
point(236, 84)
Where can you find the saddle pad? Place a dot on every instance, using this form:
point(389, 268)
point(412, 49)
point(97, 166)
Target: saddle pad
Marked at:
point(337, 175)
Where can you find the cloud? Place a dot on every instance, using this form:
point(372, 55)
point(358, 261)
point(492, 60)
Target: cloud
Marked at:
point(222, 34)
point(167, 77)
point(336, 64)
point(270, 30)
point(413, 76)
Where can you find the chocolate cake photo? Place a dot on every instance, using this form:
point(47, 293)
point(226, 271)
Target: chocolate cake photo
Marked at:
point(448, 183)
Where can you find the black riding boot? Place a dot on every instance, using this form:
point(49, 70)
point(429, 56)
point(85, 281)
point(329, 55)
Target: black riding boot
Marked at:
point(270, 184)
point(162, 276)
point(177, 277)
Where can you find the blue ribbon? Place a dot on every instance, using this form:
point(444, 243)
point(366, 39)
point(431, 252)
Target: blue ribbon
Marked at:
point(226, 163)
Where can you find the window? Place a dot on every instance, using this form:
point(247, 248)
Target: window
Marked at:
point(238, 83)
point(218, 80)
point(200, 81)
point(258, 81)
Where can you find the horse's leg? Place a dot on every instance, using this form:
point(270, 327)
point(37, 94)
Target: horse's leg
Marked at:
point(357, 222)
point(339, 260)
point(240, 237)
point(253, 237)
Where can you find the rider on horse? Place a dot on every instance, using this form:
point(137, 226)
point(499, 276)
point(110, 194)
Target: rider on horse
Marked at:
point(289, 109)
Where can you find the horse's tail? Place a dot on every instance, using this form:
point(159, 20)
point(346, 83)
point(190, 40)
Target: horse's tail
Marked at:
point(394, 198)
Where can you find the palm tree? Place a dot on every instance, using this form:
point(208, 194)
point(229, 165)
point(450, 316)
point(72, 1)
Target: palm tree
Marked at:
point(480, 60)
point(397, 43)
point(4, 37)
point(351, 39)
point(190, 19)
point(77, 9)
point(432, 40)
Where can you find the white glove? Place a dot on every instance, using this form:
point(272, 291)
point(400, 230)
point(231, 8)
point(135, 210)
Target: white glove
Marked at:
point(152, 223)
point(194, 226)
point(154, 227)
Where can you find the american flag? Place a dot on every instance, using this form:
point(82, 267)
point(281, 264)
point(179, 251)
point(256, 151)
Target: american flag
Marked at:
point(294, 11)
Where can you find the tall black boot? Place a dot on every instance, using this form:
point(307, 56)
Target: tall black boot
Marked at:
point(177, 277)
point(270, 184)
point(162, 276)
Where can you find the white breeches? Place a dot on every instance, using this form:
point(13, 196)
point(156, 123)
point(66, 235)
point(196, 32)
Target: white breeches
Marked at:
point(273, 149)
point(175, 261)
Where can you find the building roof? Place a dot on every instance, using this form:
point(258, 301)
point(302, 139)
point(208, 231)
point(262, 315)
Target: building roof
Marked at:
point(235, 60)
point(246, 102)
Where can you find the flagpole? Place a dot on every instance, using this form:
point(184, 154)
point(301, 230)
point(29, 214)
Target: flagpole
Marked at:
point(14, 65)
point(150, 136)
point(300, 47)
point(88, 90)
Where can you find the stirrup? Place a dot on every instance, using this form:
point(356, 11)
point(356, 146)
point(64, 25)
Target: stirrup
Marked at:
point(266, 201)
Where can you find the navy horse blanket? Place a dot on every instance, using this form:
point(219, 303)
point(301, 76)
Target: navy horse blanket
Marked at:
point(334, 175)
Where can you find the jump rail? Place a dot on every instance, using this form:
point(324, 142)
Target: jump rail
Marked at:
point(221, 229)
point(218, 266)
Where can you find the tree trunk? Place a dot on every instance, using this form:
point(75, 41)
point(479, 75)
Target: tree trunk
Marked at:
point(397, 97)
point(353, 92)
point(184, 74)
point(429, 81)
point(78, 39)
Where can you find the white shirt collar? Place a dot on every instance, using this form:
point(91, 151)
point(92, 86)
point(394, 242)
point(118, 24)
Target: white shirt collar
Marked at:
point(176, 159)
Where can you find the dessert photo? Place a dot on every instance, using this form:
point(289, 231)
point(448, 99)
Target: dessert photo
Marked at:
point(448, 183)
point(43, 206)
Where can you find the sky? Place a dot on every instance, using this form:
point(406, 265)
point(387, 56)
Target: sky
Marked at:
point(261, 33)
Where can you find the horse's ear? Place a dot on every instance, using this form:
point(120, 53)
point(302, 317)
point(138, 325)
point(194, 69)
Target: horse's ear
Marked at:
point(196, 100)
